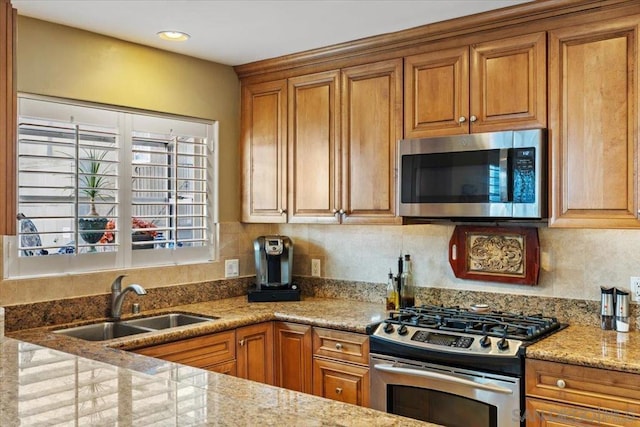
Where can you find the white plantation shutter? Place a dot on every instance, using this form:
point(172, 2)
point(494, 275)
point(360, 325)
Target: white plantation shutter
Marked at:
point(155, 177)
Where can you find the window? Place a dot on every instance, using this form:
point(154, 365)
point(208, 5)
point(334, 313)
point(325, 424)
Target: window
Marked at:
point(101, 188)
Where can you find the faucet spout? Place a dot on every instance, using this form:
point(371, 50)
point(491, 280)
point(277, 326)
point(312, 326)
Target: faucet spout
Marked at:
point(118, 294)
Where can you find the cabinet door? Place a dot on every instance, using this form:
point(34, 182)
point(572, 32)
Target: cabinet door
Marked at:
point(371, 126)
point(340, 381)
point(593, 121)
point(436, 93)
point(8, 116)
point(293, 356)
point(540, 413)
point(254, 355)
point(314, 147)
point(508, 84)
point(264, 154)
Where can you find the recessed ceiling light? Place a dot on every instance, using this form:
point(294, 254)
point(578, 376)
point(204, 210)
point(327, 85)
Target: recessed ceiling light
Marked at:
point(174, 36)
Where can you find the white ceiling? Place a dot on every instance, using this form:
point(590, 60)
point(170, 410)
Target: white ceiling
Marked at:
point(236, 32)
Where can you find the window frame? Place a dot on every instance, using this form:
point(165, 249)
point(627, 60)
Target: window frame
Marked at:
point(124, 256)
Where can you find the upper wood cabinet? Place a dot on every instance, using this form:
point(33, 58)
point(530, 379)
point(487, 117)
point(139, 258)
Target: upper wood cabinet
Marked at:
point(495, 85)
point(321, 148)
point(8, 114)
point(264, 152)
point(314, 148)
point(593, 122)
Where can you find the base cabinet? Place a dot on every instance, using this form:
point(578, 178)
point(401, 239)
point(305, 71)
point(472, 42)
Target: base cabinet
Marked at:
point(559, 394)
point(341, 366)
point(293, 355)
point(254, 358)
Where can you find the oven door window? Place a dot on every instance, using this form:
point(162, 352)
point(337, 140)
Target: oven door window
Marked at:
point(440, 407)
point(457, 177)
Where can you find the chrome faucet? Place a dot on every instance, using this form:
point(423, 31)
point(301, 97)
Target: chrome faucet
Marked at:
point(118, 294)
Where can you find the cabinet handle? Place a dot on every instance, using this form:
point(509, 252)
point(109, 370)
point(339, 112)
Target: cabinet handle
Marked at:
point(462, 119)
point(561, 384)
point(241, 342)
point(283, 211)
point(338, 390)
point(473, 119)
point(341, 211)
point(338, 346)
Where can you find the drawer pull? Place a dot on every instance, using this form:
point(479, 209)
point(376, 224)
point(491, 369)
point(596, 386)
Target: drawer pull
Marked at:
point(338, 390)
point(561, 384)
point(338, 346)
point(241, 342)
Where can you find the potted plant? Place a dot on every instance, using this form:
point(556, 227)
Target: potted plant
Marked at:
point(93, 182)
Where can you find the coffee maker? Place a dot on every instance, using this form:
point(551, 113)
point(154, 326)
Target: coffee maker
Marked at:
point(274, 270)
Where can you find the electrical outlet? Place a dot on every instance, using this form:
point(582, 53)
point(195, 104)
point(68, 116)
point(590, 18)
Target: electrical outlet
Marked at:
point(315, 267)
point(231, 268)
point(635, 288)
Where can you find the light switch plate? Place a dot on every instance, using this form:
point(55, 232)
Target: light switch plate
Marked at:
point(231, 268)
point(315, 267)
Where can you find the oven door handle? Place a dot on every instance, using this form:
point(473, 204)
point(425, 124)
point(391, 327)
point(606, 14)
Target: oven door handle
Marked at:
point(438, 376)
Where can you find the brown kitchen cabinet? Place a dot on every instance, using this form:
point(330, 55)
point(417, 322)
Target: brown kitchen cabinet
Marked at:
point(488, 86)
point(593, 123)
point(215, 352)
point(341, 366)
point(293, 356)
point(559, 394)
point(254, 352)
point(8, 116)
point(264, 152)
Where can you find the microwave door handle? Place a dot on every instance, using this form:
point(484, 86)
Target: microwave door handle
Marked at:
point(438, 376)
point(504, 175)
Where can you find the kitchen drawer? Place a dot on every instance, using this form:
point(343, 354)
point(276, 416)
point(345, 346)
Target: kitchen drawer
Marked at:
point(347, 346)
point(541, 413)
point(200, 352)
point(228, 368)
point(585, 386)
point(341, 381)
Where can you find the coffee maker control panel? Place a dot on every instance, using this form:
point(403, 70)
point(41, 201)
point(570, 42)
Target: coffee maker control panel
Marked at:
point(274, 247)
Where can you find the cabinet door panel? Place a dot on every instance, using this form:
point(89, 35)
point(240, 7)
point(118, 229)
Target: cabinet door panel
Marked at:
point(314, 147)
point(593, 100)
point(508, 83)
point(540, 413)
point(371, 126)
point(254, 356)
point(264, 153)
point(293, 355)
point(436, 93)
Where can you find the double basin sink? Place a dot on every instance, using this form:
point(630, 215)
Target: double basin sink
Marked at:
point(104, 331)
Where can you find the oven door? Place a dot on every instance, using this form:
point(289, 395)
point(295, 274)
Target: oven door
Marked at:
point(443, 395)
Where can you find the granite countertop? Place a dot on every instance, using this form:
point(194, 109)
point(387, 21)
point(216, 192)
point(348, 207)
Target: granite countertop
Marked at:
point(55, 379)
point(590, 346)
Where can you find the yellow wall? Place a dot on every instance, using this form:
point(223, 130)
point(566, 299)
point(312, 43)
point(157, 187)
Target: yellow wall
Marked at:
point(66, 62)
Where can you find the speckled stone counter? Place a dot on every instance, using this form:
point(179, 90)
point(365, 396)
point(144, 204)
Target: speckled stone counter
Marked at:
point(99, 384)
point(590, 346)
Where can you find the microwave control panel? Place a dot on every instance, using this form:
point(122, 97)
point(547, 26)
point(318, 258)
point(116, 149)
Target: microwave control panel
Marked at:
point(524, 175)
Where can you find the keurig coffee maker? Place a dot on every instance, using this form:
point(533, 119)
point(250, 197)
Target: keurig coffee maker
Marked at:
point(274, 267)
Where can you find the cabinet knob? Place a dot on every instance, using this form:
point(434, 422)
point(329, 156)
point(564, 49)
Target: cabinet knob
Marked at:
point(338, 390)
point(338, 346)
point(462, 119)
point(473, 119)
point(561, 384)
point(341, 211)
point(241, 342)
point(283, 211)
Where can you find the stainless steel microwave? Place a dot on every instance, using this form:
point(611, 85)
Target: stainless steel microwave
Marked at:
point(499, 175)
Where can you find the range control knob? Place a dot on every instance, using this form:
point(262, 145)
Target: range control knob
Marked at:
point(503, 344)
point(403, 330)
point(388, 328)
point(485, 342)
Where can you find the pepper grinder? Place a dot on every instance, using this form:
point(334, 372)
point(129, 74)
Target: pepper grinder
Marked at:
point(607, 312)
point(622, 311)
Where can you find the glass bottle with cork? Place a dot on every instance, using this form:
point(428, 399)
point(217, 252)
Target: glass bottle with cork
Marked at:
point(407, 290)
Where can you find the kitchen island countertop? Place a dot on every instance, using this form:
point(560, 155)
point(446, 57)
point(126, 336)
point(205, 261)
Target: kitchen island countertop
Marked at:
point(54, 379)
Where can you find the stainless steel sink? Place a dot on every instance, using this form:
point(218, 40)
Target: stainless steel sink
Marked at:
point(102, 331)
point(170, 320)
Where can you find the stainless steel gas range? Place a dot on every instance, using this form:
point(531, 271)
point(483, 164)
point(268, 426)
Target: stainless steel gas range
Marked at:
point(454, 366)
